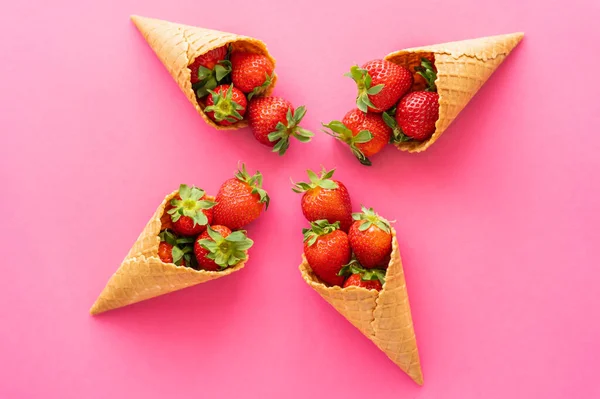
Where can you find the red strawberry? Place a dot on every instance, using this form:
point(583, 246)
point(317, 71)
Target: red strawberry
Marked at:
point(371, 279)
point(327, 250)
point(366, 134)
point(207, 60)
point(380, 84)
point(426, 74)
point(175, 250)
point(240, 200)
point(273, 121)
point(218, 248)
point(252, 73)
point(208, 70)
point(417, 114)
point(325, 198)
point(165, 252)
point(190, 211)
point(356, 280)
point(371, 239)
point(226, 105)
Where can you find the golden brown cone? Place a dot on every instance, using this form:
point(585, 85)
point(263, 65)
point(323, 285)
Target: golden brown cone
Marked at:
point(142, 275)
point(382, 316)
point(462, 68)
point(177, 46)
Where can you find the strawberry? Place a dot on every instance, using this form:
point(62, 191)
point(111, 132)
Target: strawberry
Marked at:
point(327, 250)
point(371, 239)
point(417, 114)
point(240, 200)
point(426, 73)
point(209, 69)
point(190, 211)
point(366, 134)
point(371, 279)
point(177, 250)
point(218, 248)
point(356, 280)
point(325, 198)
point(226, 105)
point(252, 73)
point(273, 121)
point(380, 84)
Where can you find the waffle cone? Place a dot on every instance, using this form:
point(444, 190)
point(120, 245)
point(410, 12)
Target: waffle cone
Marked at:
point(177, 46)
point(462, 68)
point(382, 316)
point(142, 275)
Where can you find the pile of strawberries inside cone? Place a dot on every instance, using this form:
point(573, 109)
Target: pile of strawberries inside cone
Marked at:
point(203, 232)
point(393, 105)
point(343, 248)
point(230, 86)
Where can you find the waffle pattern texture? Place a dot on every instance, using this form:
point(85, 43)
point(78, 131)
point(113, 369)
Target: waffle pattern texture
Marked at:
point(177, 46)
point(462, 68)
point(382, 316)
point(142, 275)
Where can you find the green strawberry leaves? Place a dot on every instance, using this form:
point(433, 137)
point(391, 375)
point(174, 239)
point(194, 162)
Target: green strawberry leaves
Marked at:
point(398, 135)
point(259, 90)
point(427, 71)
point(226, 251)
point(209, 79)
point(190, 204)
point(322, 181)
point(318, 228)
point(224, 108)
point(365, 274)
point(371, 219)
point(255, 182)
point(344, 134)
point(183, 248)
point(283, 132)
point(363, 82)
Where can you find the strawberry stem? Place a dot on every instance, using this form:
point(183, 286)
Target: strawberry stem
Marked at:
point(365, 89)
point(344, 134)
point(283, 132)
point(427, 71)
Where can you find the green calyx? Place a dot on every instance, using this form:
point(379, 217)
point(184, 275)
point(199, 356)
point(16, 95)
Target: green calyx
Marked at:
point(183, 248)
point(226, 251)
point(427, 71)
point(398, 135)
point(283, 132)
point(363, 82)
point(224, 108)
point(259, 90)
point(190, 204)
point(365, 274)
point(342, 133)
point(255, 181)
point(319, 228)
point(322, 181)
point(371, 219)
point(209, 79)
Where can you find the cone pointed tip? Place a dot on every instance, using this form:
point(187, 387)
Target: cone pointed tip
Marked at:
point(518, 35)
point(95, 309)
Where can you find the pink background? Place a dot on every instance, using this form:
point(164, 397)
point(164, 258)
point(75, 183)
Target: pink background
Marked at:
point(498, 221)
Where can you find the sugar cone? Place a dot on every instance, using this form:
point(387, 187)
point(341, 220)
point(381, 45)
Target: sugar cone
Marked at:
point(462, 68)
point(142, 275)
point(384, 317)
point(177, 46)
